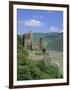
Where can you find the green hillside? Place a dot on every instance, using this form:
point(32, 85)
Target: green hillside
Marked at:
point(36, 67)
point(50, 36)
point(57, 43)
point(52, 41)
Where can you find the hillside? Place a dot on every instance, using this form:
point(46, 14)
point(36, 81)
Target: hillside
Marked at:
point(50, 36)
point(31, 64)
point(52, 41)
point(57, 43)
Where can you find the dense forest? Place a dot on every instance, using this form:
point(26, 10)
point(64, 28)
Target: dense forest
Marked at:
point(28, 69)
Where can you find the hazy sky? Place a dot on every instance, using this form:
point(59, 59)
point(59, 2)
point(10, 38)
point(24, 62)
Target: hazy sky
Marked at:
point(39, 21)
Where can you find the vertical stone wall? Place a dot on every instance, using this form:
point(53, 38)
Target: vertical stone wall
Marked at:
point(27, 39)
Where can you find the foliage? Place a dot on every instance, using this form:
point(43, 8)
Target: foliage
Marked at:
point(23, 73)
point(20, 40)
point(22, 55)
point(49, 68)
point(52, 69)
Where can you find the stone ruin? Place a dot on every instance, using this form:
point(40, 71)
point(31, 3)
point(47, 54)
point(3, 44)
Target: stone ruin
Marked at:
point(27, 41)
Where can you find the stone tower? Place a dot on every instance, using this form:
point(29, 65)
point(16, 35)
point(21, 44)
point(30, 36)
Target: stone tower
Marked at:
point(40, 41)
point(27, 40)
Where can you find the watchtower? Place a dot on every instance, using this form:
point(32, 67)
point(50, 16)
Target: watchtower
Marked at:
point(27, 39)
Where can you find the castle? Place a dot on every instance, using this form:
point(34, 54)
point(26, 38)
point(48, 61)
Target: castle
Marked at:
point(31, 45)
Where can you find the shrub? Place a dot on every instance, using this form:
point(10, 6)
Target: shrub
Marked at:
point(22, 55)
point(20, 40)
point(37, 73)
point(51, 69)
point(23, 73)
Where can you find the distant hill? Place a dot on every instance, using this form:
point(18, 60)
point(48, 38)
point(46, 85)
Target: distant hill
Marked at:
point(56, 43)
point(45, 35)
point(53, 41)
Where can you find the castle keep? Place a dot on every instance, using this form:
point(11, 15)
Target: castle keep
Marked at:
point(27, 39)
